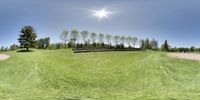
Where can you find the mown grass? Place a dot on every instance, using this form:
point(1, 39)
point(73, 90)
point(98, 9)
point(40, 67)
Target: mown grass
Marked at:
point(63, 75)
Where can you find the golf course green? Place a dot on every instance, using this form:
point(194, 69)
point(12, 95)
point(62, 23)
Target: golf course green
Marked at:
point(125, 75)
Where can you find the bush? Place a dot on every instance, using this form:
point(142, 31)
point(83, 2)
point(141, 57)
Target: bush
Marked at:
point(57, 46)
point(14, 47)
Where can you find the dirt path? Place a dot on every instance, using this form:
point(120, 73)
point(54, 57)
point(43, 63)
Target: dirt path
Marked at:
point(190, 56)
point(4, 57)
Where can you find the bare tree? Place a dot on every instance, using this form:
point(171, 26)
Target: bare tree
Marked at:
point(128, 40)
point(116, 39)
point(134, 40)
point(108, 38)
point(93, 36)
point(74, 35)
point(122, 39)
point(101, 38)
point(64, 36)
point(84, 35)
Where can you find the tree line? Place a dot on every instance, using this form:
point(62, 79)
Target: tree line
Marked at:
point(75, 39)
point(149, 44)
point(85, 39)
point(168, 48)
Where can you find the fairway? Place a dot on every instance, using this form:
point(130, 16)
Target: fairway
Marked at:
point(63, 75)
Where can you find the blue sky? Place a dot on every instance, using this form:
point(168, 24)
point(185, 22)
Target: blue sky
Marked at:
point(178, 21)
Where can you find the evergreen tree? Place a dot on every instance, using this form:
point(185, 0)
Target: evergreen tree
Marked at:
point(142, 44)
point(165, 46)
point(147, 44)
point(27, 38)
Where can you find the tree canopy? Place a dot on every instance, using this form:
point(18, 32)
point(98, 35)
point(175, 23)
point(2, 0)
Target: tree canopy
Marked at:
point(64, 36)
point(27, 37)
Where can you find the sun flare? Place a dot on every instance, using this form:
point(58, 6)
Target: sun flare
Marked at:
point(102, 13)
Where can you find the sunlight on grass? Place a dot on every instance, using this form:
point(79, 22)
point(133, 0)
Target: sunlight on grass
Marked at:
point(61, 74)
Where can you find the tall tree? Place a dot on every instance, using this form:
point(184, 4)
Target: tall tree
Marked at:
point(142, 44)
point(116, 39)
point(27, 37)
point(47, 42)
point(122, 39)
point(147, 44)
point(128, 40)
point(93, 36)
point(108, 38)
point(101, 38)
point(64, 36)
point(74, 35)
point(84, 35)
point(165, 46)
point(154, 44)
point(134, 40)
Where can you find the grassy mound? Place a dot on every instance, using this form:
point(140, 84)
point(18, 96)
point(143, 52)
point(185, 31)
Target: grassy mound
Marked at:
point(61, 74)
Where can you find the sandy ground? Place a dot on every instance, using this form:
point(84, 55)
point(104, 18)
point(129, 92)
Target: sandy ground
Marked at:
point(190, 56)
point(4, 56)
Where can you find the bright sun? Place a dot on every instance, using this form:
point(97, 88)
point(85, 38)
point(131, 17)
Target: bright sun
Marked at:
point(102, 13)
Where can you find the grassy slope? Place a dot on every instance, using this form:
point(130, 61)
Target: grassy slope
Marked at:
point(61, 74)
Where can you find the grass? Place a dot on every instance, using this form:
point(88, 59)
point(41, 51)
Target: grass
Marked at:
point(63, 75)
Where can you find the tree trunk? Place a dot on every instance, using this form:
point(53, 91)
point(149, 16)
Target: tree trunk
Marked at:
point(27, 49)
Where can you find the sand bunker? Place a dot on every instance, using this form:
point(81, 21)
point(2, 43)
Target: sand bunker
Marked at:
point(190, 56)
point(4, 57)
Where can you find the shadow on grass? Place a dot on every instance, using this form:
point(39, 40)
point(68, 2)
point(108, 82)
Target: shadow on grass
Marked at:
point(24, 51)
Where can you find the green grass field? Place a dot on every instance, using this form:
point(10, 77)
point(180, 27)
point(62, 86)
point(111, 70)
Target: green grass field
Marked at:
point(63, 75)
